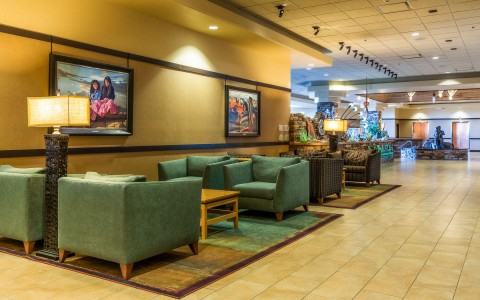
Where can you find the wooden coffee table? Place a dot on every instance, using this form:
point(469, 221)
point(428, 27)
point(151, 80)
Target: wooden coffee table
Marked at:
point(216, 198)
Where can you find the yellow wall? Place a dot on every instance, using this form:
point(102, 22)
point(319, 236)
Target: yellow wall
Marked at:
point(170, 107)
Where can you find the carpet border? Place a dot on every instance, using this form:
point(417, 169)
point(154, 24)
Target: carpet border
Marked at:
point(194, 287)
point(366, 200)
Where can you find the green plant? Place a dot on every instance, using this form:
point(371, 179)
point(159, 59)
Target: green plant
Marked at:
point(303, 136)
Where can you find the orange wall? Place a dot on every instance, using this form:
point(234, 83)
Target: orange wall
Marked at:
point(170, 107)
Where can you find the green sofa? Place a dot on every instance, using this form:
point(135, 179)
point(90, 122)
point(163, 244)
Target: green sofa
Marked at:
point(208, 168)
point(273, 184)
point(22, 194)
point(125, 222)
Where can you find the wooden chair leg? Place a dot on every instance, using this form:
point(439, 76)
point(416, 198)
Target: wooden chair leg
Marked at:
point(62, 255)
point(378, 181)
point(367, 184)
point(320, 200)
point(194, 247)
point(279, 216)
point(339, 195)
point(126, 270)
point(28, 247)
point(305, 207)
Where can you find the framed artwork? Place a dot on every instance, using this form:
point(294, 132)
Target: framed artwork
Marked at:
point(242, 112)
point(110, 89)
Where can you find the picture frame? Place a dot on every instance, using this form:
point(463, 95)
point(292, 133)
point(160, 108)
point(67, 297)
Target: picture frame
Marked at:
point(242, 112)
point(109, 87)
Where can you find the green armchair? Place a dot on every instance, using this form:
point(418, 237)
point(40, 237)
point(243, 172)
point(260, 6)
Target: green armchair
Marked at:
point(22, 193)
point(273, 184)
point(208, 168)
point(125, 222)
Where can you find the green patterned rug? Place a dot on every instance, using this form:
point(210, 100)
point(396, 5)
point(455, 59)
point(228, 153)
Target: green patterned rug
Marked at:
point(226, 250)
point(357, 195)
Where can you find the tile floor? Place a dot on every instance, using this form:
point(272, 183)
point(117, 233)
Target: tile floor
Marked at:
point(421, 241)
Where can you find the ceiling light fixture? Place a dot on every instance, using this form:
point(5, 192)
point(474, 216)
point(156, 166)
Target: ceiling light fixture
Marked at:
point(349, 48)
point(451, 93)
point(326, 74)
point(435, 57)
point(316, 30)
point(281, 10)
point(213, 27)
point(440, 94)
point(342, 44)
point(366, 60)
point(372, 61)
point(355, 52)
point(361, 56)
point(415, 34)
point(410, 96)
point(433, 97)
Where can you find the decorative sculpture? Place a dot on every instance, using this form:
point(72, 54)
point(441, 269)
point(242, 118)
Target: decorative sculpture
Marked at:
point(439, 133)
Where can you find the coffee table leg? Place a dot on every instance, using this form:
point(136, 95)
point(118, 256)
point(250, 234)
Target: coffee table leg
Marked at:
point(235, 209)
point(204, 222)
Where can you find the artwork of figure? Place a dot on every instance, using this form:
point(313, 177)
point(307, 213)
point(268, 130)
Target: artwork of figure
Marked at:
point(439, 133)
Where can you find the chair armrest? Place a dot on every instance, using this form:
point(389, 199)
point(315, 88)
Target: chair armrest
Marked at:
point(292, 187)
point(238, 173)
point(373, 166)
point(213, 175)
point(172, 169)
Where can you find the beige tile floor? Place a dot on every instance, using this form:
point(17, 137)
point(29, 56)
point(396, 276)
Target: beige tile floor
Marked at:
point(421, 241)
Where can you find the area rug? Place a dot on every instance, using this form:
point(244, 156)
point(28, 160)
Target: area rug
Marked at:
point(356, 195)
point(226, 250)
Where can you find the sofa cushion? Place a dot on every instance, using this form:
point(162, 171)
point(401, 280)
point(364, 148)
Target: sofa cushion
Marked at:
point(356, 157)
point(266, 169)
point(336, 154)
point(256, 189)
point(355, 169)
point(186, 178)
point(115, 178)
point(196, 164)
point(10, 169)
point(306, 153)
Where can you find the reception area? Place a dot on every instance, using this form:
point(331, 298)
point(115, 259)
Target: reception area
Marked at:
point(147, 156)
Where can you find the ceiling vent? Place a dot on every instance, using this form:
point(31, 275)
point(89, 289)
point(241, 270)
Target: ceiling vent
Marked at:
point(394, 7)
point(412, 56)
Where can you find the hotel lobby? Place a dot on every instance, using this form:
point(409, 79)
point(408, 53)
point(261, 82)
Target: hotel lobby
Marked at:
point(174, 80)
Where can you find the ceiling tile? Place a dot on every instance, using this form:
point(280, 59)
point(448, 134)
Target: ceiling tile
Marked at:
point(333, 17)
point(441, 9)
point(370, 19)
point(353, 4)
point(467, 14)
point(304, 21)
point(377, 26)
point(309, 3)
point(322, 9)
point(400, 15)
point(364, 12)
point(342, 23)
point(418, 4)
point(469, 5)
point(437, 18)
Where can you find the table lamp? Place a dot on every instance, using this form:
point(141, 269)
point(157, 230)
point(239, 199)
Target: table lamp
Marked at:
point(55, 111)
point(334, 125)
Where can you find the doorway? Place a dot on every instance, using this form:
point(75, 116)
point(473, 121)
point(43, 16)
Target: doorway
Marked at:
point(420, 130)
point(461, 134)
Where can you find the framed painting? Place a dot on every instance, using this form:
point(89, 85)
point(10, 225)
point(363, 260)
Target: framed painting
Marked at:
point(242, 112)
point(110, 89)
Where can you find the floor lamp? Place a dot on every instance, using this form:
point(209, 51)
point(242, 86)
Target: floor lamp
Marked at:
point(332, 126)
point(55, 111)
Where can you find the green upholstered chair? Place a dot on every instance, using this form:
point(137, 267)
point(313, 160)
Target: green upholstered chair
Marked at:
point(208, 168)
point(22, 194)
point(125, 222)
point(274, 184)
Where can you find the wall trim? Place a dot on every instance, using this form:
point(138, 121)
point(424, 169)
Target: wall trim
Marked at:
point(431, 119)
point(131, 149)
point(162, 63)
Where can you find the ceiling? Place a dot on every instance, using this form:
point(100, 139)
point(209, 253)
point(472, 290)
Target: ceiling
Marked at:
point(463, 96)
point(382, 30)
point(379, 29)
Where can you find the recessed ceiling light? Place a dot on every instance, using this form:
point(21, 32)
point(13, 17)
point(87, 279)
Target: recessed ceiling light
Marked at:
point(310, 65)
point(309, 69)
point(213, 27)
point(447, 72)
point(415, 34)
point(326, 74)
point(435, 57)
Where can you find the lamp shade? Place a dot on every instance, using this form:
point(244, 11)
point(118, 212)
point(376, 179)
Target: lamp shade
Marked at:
point(335, 125)
point(58, 111)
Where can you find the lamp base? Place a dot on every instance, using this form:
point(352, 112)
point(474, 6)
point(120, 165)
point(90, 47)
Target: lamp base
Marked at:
point(48, 253)
point(333, 142)
point(56, 163)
